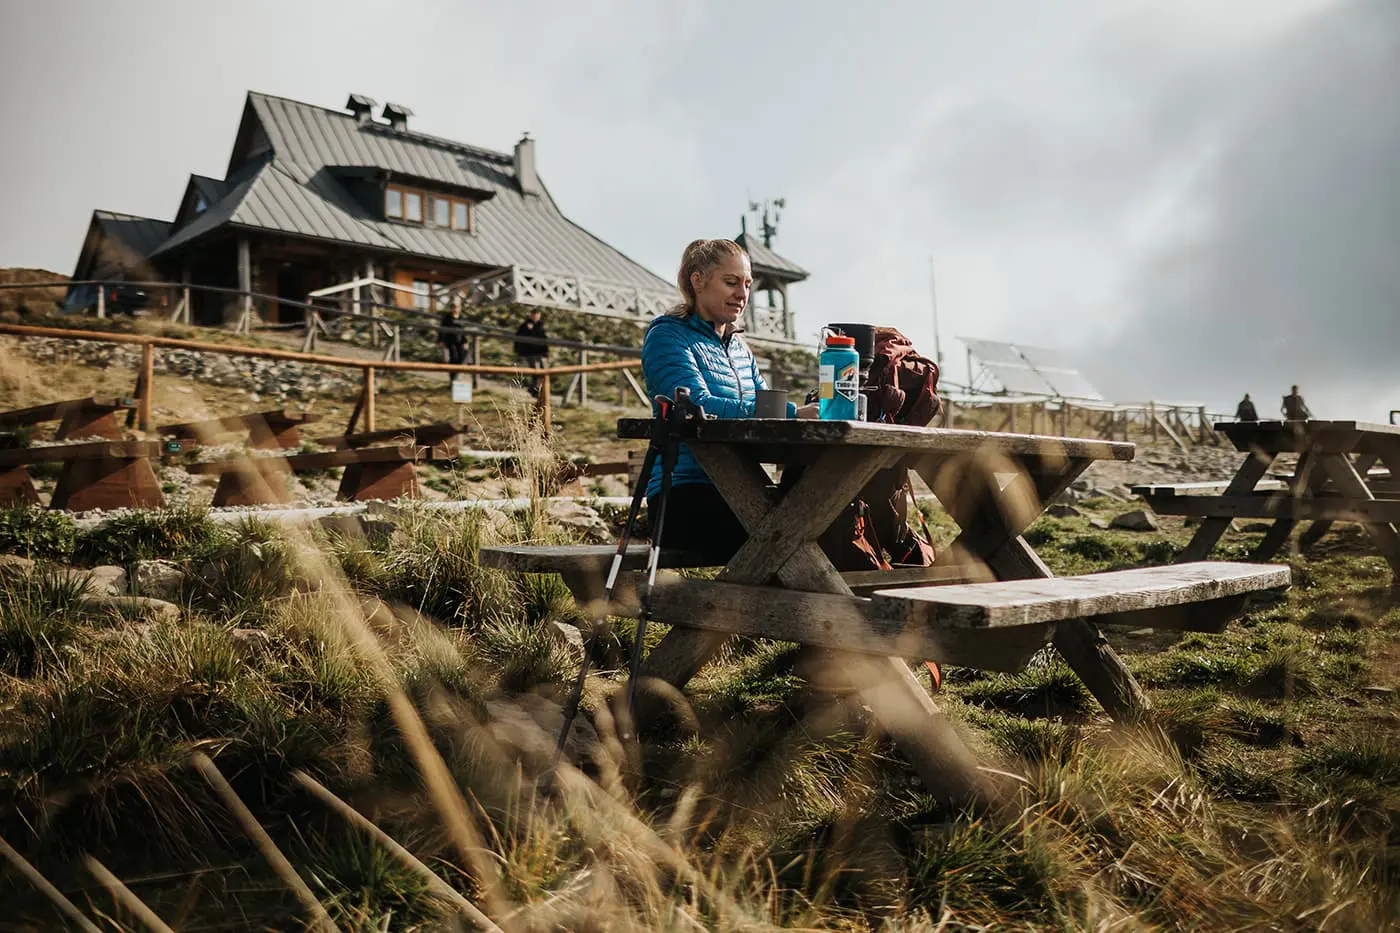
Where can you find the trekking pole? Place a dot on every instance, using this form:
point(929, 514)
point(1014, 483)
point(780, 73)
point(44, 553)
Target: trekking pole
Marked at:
point(655, 443)
point(683, 411)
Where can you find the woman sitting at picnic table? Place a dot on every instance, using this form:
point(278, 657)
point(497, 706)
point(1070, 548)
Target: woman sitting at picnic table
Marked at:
point(697, 345)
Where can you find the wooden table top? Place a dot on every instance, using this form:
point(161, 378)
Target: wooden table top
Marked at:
point(812, 432)
point(1284, 436)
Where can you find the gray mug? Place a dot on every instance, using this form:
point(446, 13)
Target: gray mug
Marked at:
point(771, 403)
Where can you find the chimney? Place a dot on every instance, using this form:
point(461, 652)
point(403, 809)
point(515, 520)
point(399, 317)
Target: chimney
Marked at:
point(397, 115)
point(525, 166)
point(361, 106)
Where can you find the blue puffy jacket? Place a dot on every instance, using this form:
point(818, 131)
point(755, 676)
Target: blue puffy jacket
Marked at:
point(722, 377)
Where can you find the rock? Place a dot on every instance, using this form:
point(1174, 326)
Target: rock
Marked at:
point(1062, 511)
point(106, 580)
point(529, 725)
point(580, 518)
point(1099, 523)
point(143, 608)
point(13, 563)
point(1135, 521)
point(249, 640)
point(569, 636)
point(1101, 492)
point(159, 578)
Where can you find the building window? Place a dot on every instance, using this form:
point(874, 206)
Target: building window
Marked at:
point(437, 210)
point(422, 298)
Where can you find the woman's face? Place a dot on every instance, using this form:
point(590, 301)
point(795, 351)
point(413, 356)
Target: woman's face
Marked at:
point(722, 293)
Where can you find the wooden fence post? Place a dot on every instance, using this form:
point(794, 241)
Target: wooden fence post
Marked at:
point(369, 398)
point(542, 403)
point(1152, 419)
point(101, 301)
point(476, 358)
point(1204, 427)
point(148, 356)
point(583, 379)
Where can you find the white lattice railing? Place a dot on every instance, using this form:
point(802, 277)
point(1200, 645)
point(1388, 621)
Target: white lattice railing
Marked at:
point(526, 286)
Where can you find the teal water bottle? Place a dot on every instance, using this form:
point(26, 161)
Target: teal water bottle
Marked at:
point(839, 382)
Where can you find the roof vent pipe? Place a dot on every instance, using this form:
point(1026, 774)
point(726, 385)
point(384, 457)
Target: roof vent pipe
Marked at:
point(361, 106)
point(397, 115)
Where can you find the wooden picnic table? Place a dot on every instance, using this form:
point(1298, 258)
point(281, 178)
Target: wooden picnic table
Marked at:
point(993, 485)
point(1332, 481)
point(96, 474)
point(988, 602)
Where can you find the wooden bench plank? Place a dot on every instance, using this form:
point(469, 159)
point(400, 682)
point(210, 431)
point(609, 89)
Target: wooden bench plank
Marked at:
point(54, 411)
point(427, 435)
point(838, 622)
point(582, 558)
point(1027, 602)
point(268, 430)
point(117, 450)
point(324, 460)
point(1311, 508)
point(1175, 489)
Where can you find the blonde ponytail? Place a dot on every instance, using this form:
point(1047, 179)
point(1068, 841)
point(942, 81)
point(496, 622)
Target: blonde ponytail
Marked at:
point(700, 256)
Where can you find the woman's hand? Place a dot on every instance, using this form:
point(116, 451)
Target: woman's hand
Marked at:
point(809, 411)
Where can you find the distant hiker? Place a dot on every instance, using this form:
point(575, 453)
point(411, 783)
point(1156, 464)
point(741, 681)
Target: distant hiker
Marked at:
point(530, 354)
point(451, 336)
point(1294, 408)
point(1245, 411)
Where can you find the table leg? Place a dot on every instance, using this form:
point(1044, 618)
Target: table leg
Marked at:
point(1305, 482)
point(1206, 536)
point(1318, 529)
point(1351, 486)
point(782, 543)
point(991, 533)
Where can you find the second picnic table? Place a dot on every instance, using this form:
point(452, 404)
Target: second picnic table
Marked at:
point(1331, 482)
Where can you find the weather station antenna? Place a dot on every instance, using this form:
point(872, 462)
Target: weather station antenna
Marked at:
point(933, 297)
point(772, 213)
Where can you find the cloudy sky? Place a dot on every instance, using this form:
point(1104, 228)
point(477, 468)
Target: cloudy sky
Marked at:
point(1196, 198)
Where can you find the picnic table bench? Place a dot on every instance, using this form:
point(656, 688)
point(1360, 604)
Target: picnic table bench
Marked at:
point(370, 473)
point(96, 474)
point(988, 601)
point(94, 416)
point(1332, 481)
point(267, 430)
point(439, 434)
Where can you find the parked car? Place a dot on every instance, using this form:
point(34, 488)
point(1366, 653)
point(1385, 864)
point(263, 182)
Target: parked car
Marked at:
point(120, 299)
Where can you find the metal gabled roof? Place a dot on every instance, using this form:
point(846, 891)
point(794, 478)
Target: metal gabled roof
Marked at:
point(270, 199)
point(294, 193)
point(763, 258)
point(141, 235)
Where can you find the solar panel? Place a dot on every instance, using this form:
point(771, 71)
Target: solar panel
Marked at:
point(1015, 374)
point(1059, 370)
point(1025, 370)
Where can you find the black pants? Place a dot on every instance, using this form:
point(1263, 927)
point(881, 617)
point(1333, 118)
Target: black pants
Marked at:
point(456, 352)
point(698, 519)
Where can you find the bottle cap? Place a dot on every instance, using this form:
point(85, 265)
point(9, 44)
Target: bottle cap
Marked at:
point(837, 340)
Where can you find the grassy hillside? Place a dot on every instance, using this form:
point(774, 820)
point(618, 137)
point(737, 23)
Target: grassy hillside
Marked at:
point(424, 690)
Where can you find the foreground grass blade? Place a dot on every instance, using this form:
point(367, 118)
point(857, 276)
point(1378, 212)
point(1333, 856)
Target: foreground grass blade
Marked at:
point(409, 860)
point(126, 897)
point(49, 891)
point(269, 849)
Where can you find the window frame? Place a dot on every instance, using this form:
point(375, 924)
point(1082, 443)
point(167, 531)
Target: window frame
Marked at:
point(427, 208)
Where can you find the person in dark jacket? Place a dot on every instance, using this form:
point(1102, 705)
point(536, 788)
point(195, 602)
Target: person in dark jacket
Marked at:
point(1245, 410)
point(451, 336)
point(697, 345)
point(528, 353)
point(1294, 408)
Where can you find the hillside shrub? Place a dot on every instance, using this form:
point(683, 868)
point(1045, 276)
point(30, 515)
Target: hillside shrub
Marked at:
point(147, 534)
point(38, 534)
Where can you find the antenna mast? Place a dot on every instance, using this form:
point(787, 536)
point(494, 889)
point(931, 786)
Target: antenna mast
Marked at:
point(933, 296)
